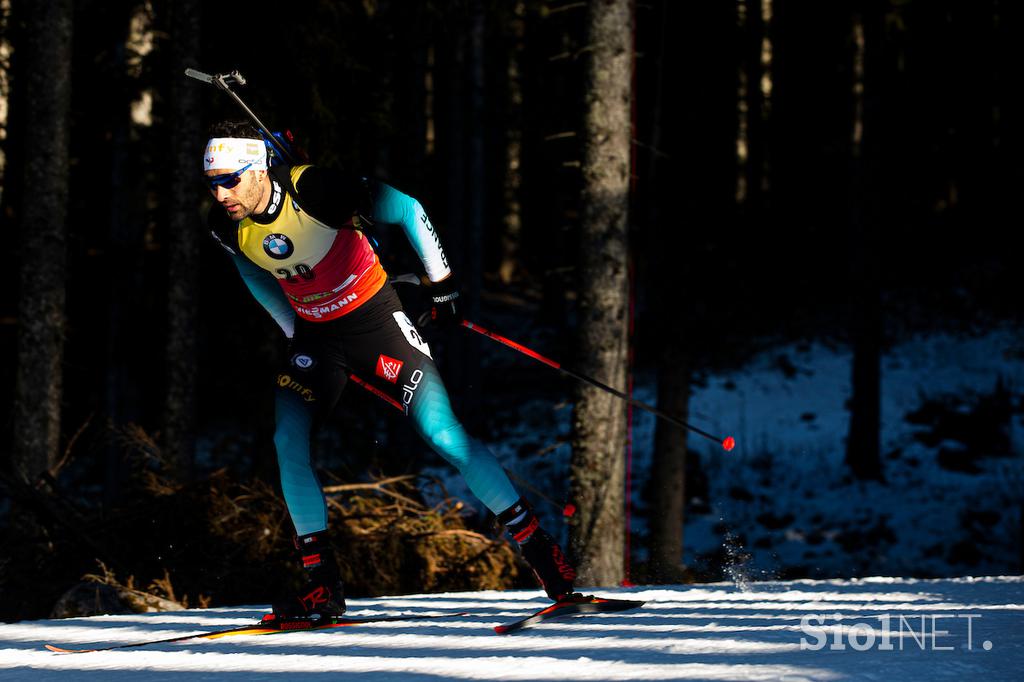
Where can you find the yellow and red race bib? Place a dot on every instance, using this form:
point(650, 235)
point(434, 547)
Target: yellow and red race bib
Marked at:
point(324, 271)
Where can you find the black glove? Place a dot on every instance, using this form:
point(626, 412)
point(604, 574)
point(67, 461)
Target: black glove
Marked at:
point(445, 310)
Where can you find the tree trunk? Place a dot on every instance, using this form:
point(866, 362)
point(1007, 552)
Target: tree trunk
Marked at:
point(463, 147)
point(864, 441)
point(124, 253)
point(41, 321)
point(183, 254)
point(5, 89)
point(599, 424)
point(473, 254)
point(751, 102)
point(663, 243)
point(668, 471)
point(512, 214)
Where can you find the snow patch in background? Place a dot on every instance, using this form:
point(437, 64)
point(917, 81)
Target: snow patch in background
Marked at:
point(782, 503)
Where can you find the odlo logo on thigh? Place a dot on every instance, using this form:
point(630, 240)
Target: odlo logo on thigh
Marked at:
point(285, 381)
point(410, 388)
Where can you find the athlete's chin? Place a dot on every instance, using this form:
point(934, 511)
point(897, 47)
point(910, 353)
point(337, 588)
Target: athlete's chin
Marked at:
point(236, 211)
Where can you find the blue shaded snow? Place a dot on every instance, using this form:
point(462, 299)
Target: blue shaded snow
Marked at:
point(782, 503)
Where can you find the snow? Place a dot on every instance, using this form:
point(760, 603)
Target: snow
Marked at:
point(782, 504)
point(937, 629)
point(792, 467)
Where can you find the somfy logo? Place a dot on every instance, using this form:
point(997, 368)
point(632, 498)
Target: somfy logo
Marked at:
point(285, 381)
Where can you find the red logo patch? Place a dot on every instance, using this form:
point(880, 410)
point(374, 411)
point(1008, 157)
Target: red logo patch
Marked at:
point(388, 368)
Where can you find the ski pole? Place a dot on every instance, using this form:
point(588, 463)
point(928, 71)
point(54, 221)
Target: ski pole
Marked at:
point(727, 443)
point(224, 82)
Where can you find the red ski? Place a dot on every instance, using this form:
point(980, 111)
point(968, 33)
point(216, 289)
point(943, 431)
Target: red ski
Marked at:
point(573, 605)
point(268, 626)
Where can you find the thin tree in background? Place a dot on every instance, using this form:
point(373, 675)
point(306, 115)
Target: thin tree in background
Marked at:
point(461, 97)
point(599, 419)
point(183, 109)
point(473, 249)
point(5, 87)
point(41, 315)
point(124, 251)
point(864, 441)
point(511, 235)
point(666, 241)
point(668, 470)
point(754, 92)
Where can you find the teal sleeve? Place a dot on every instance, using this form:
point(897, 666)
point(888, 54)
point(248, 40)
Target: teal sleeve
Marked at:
point(267, 292)
point(398, 208)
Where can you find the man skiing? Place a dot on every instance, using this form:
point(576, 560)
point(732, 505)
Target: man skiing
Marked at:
point(294, 235)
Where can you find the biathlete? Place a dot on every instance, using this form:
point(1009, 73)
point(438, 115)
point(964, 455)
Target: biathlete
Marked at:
point(294, 235)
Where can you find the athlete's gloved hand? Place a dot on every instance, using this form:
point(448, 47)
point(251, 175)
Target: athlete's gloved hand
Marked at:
point(445, 310)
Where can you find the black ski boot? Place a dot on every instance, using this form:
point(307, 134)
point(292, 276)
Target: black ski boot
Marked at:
point(323, 594)
point(540, 550)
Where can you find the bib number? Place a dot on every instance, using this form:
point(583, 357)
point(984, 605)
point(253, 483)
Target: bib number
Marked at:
point(303, 271)
point(412, 335)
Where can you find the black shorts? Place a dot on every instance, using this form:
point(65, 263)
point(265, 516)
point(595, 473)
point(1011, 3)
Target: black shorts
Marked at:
point(376, 345)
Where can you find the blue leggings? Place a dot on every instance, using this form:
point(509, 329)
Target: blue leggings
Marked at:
point(379, 344)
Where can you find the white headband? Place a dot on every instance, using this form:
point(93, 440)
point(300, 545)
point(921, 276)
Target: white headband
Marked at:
point(232, 153)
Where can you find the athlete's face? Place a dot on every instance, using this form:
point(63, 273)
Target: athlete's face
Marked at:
point(249, 196)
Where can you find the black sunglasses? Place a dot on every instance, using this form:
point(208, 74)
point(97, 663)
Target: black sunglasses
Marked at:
point(226, 180)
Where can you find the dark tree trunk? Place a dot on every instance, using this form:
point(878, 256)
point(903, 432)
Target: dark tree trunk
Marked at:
point(751, 105)
point(41, 314)
point(668, 470)
point(510, 265)
point(864, 441)
point(11, 198)
point(473, 255)
point(452, 146)
point(463, 145)
point(599, 424)
point(124, 265)
point(662, 245)
point(183, 117)
point(410, 109)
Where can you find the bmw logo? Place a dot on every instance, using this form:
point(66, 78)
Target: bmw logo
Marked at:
point(278, 246)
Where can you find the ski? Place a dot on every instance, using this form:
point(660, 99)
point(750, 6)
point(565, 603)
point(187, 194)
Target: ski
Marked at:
point(268, 626)
point(572, 606)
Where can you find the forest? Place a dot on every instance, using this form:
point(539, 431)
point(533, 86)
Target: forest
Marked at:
point(651, 192)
